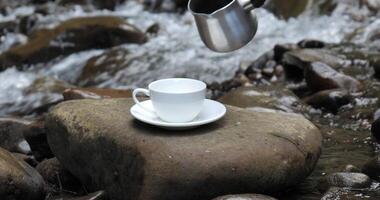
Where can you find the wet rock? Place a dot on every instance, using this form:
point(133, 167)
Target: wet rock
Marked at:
point(35, 134)
point(245, 197)
point(229, 156)
point(311, 44)
point(287, 9)
point(54, 174)
point(281, 49)
point(320, 76)
point(375, 63)
point(166, 5)
point(376, 115)
point(93, 196)
point(101, 68)
point(331, 100)
point(336, 193)
point(71, 36)
point(153, 29)
point(95, 93)
point(372, 168)
point(302, 58)
point(352, 168)
point(11, 135)
point(8, 26)
point(258, 64)
point(270, 97)
point(346, 179)
point(375, 129)
point(102, 4)
point(26, 158)
point(38, 97)
point(18, 180)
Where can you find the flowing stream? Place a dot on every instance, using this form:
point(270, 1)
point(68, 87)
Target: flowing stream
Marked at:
point(176, 51)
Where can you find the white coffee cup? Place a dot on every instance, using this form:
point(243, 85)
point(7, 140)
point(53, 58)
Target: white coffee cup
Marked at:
point(175, 100)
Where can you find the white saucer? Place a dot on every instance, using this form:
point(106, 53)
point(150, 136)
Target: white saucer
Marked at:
point(211, 112)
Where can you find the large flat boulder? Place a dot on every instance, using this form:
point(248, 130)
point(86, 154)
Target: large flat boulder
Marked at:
point(245, 152)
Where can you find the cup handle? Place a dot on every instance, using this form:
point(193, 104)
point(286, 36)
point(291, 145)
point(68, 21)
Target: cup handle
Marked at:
point(147, 93)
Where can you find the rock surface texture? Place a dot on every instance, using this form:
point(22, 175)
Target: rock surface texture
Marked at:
point(18, 180)
point(246, 151)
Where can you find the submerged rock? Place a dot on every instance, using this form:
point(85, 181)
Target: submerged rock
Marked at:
point(336, 193)
point(346, 179)
point(95, 93)
point(18, 180)
point(72, 36)
point(245, 197)
point(101, 68)
point(229, 156)
point(320, 76)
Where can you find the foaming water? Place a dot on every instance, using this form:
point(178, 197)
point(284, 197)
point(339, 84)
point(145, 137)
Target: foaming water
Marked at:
point(176, 51)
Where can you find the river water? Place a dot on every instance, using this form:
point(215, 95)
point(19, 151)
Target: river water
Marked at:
point(176, 51)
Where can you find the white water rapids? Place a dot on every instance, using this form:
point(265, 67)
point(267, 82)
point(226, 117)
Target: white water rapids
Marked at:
point(176, 51)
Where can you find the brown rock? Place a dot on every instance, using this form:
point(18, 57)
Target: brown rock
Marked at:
point(71, 36)
point(269, 97)
point(331, 100)
point(106, 64)
point(302, 58)
point(95, 93)
point(54, 174)
point(320, 76)
point(102, 4)
point(18, 180)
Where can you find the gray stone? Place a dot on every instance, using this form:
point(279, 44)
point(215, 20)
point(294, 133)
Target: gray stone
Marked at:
point(246, 151)
point(18, 180)
point(346, 179)
point(11, 135)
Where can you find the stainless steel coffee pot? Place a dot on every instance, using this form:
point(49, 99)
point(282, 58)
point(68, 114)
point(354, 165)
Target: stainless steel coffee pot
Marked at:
point(225, 25)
